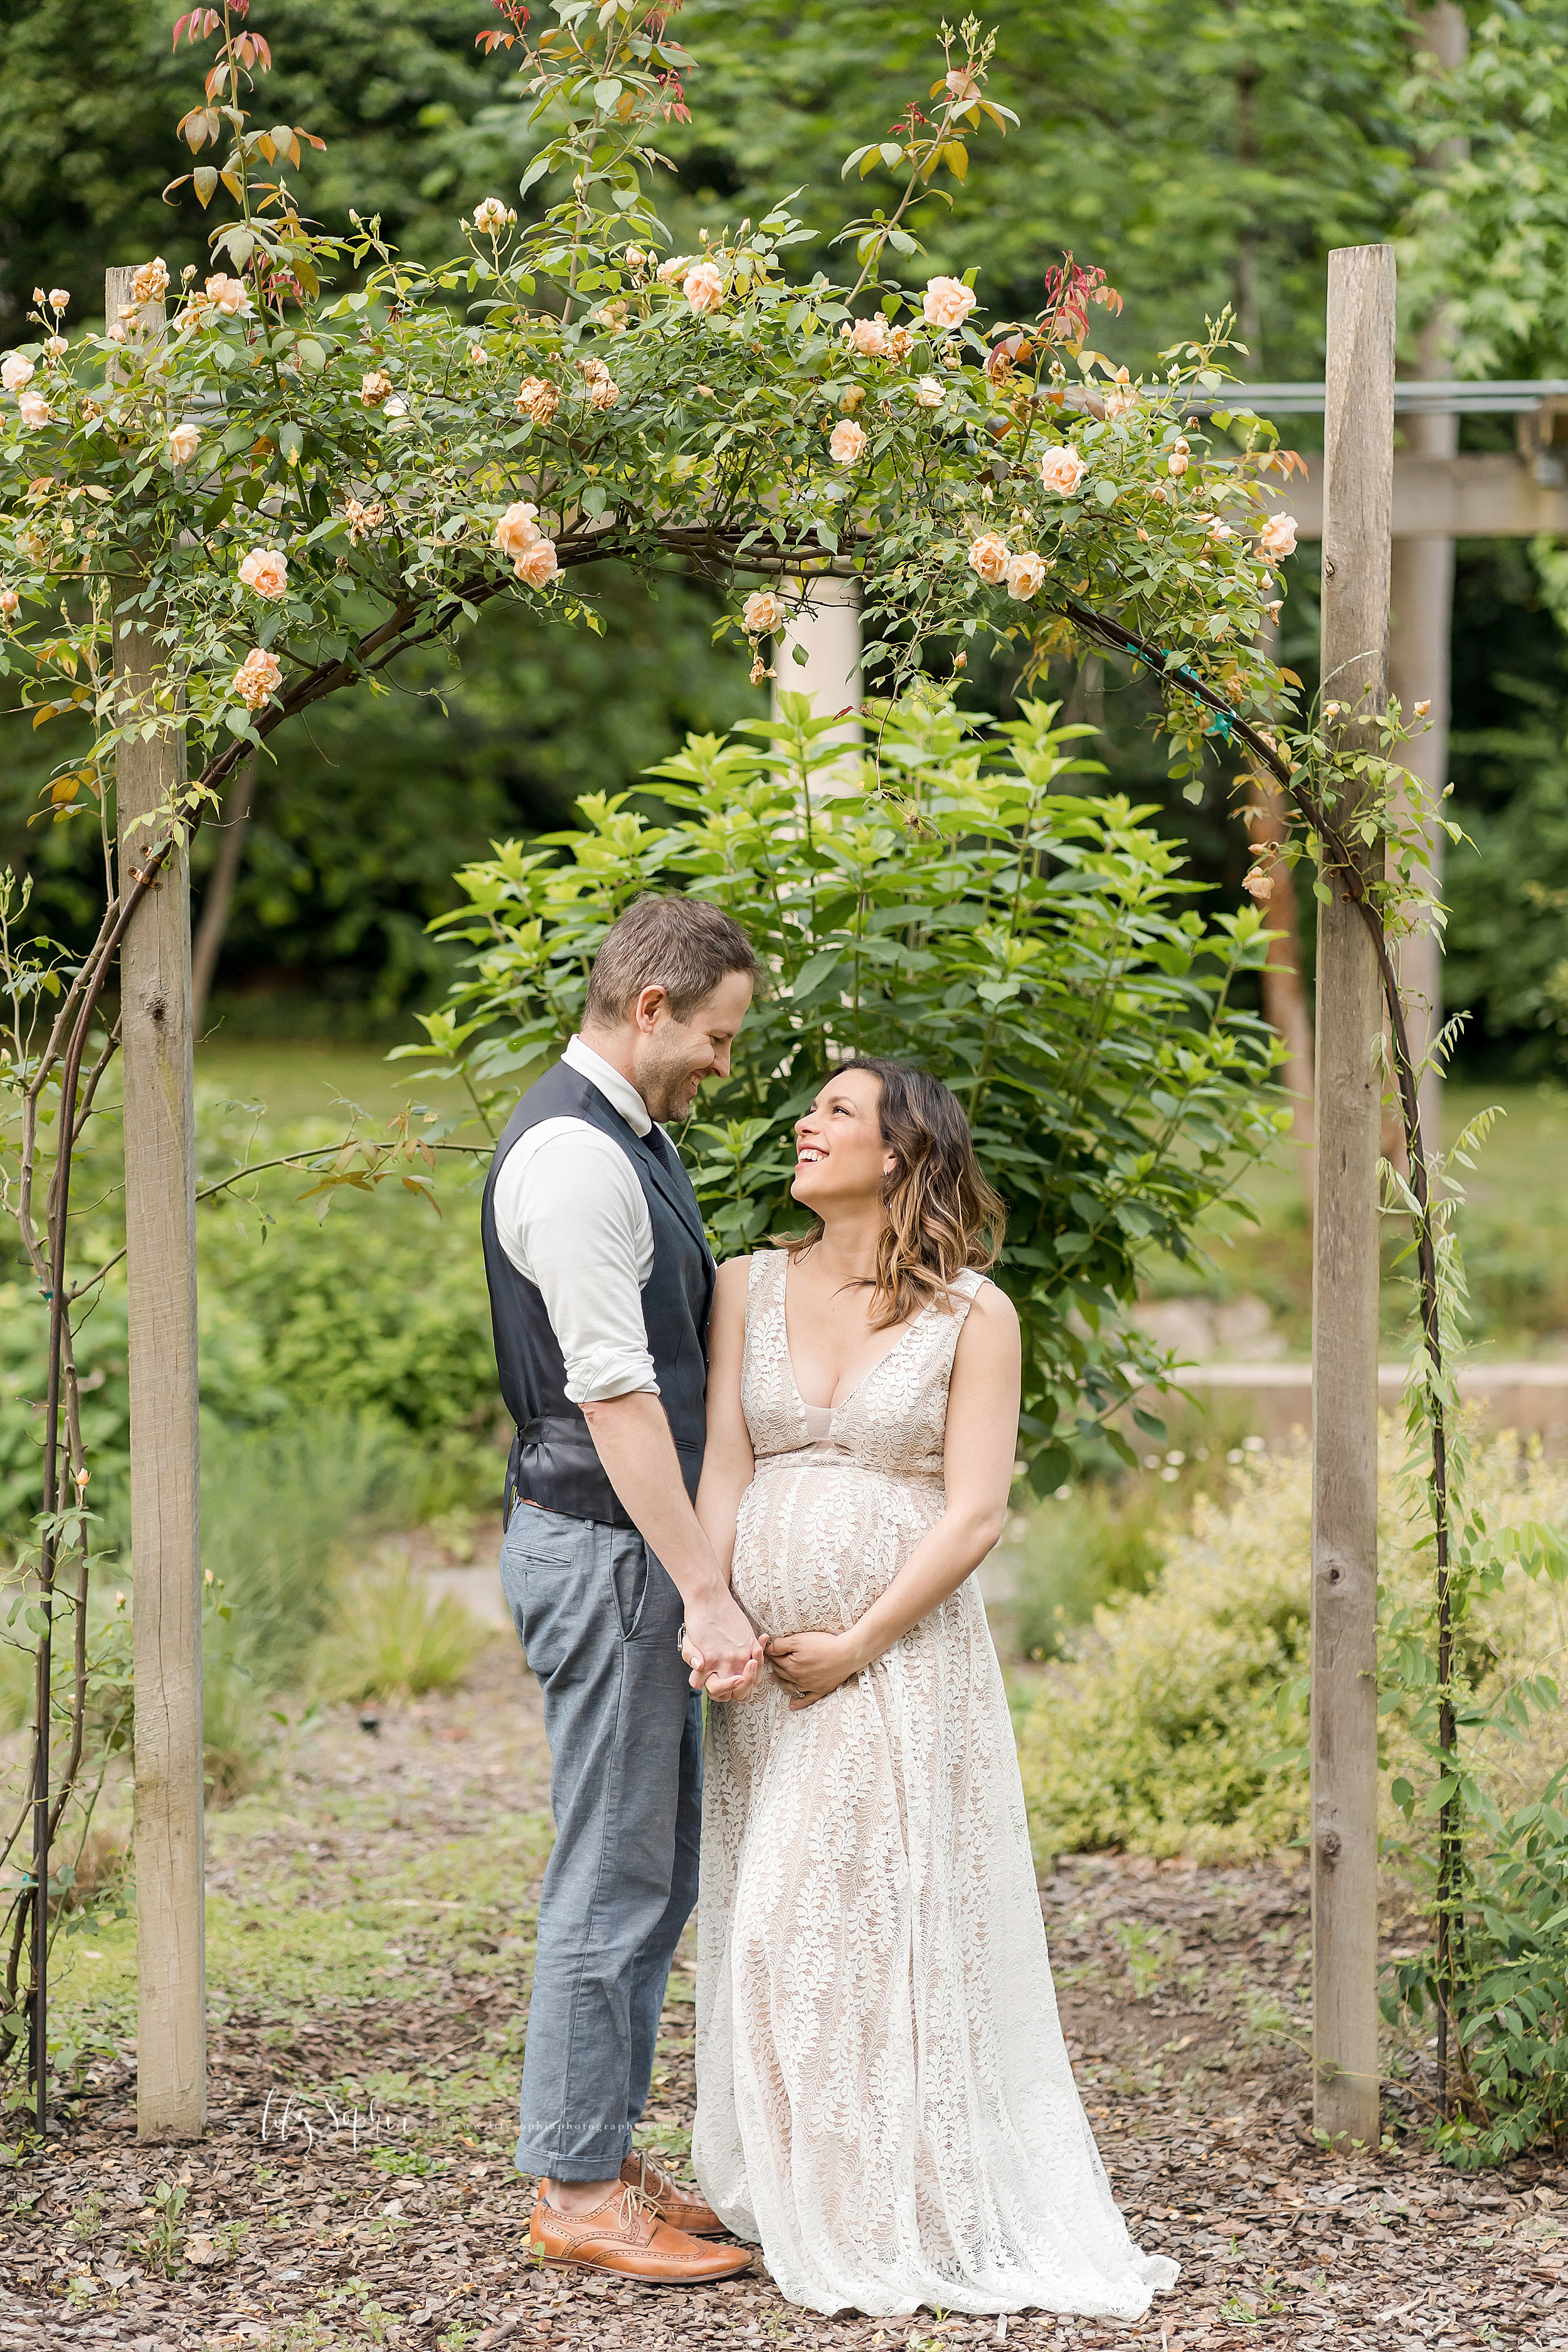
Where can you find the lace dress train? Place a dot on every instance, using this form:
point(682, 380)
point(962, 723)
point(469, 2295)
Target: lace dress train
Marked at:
point(884, 2099)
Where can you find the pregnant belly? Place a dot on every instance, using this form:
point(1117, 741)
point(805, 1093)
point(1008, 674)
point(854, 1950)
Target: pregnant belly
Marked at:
point(814, 1546)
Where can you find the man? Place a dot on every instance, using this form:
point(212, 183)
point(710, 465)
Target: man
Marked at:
point(600, 1283)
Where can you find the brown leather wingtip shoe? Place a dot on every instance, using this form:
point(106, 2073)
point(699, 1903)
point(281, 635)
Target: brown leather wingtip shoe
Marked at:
point(626, 2236)
point(684, 2209)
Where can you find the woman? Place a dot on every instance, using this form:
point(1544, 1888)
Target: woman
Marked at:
point(884, 2100)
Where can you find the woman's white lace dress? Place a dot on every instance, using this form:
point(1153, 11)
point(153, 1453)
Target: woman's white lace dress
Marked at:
point(884, 2100)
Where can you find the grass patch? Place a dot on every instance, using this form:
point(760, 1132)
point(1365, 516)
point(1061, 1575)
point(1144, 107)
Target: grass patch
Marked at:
point(392, 1638)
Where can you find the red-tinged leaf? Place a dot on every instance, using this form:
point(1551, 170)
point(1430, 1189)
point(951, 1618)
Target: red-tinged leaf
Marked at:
point(488, 41)
point(262, 51)
point(310, 140)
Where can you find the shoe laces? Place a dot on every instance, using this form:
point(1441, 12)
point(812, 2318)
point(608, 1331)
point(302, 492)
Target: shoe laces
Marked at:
point(632, 2203)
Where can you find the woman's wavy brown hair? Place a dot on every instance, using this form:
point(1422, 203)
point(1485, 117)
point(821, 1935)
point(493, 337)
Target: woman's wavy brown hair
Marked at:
point(943, 1215)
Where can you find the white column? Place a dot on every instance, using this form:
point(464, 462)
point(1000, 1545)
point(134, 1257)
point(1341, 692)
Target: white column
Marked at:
point(828, 631)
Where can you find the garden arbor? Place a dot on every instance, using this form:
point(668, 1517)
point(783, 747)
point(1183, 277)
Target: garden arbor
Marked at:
point(273, 499)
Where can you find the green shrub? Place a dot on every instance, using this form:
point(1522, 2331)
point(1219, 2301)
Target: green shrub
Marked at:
point(391, 1638)
point(1078, 1551)
point(1176, 1723)
point(1157, 1735)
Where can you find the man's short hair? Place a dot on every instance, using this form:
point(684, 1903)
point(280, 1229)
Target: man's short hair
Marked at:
point(682, 945)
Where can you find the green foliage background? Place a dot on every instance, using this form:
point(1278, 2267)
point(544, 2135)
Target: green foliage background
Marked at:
point(1203, 151)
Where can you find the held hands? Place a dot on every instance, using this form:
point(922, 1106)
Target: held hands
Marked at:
point(811, 1666)
point(725, 1661)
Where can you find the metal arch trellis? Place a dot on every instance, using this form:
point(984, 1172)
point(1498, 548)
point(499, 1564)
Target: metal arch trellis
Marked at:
point(393, 637)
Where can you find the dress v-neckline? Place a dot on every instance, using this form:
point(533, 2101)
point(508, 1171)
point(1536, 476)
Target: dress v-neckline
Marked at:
point(833, 1411)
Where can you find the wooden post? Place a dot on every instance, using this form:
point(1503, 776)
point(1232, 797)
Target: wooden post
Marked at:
point(1358, 512)
point(161, 1272)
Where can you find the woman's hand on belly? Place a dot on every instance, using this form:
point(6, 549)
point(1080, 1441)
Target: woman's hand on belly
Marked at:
point(812, 1665)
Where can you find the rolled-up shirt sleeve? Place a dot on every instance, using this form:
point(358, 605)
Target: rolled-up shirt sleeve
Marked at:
point(573, 1220)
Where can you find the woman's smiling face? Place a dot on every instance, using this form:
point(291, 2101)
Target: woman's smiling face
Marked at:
point(840, 1157)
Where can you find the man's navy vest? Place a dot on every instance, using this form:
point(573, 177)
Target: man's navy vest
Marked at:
point(553, 1458)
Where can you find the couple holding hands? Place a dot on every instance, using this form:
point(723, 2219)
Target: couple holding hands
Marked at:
point(770, 1483)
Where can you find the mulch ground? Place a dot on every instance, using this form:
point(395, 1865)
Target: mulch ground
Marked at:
point(340, 2197)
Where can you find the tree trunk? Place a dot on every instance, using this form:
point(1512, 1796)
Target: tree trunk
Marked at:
point(1358, 509)
point(160, 1275)
point(231, 828)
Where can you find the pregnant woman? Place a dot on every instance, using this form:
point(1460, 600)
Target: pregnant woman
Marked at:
point(884, 2100)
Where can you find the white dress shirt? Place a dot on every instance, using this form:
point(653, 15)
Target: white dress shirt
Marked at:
point(571, 1216)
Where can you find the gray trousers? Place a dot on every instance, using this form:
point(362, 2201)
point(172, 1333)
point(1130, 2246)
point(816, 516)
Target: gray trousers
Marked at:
point(599, 1621)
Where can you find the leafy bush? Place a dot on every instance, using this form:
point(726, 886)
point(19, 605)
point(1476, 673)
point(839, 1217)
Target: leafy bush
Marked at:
point(1177, 1722)
point(1157, 1735)
point(950, 904)
point(392, 1638)
point(1078, 1552)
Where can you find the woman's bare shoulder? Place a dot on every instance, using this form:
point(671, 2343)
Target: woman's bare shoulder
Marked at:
point(991, 1311)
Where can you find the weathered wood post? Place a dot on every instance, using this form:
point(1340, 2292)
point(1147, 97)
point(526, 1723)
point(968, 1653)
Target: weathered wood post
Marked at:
point(1358, 513)
point(161, 1274)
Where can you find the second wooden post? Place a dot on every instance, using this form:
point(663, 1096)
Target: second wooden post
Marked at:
point(161, 1278)
point(1358, 513)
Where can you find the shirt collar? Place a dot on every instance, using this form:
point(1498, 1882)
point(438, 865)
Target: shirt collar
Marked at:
point(618, 1091)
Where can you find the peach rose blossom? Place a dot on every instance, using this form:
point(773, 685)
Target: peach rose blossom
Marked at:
point(762, 614)
point(989, 556)
point(960, 83)
point(537, 565)
point(1025, 575)
point(478, 355)
point(265, 570)
point(900, 343)
point(258, 675)
point(151, 282)
point(1420, 709)
point(376, 387)
point(1062, 469)
point(15, 373)
point(600, 385)
point(492, 216)
point(1258, 884)
point(10, 603)
point(1278, 537)
point(848, 445)
point(1272, 612)
point(228, 295)
point(517, 530)
point(396, 406)
point(1122, 395)
point(59, 298)
point(948, 302)
point(55, 346)
point(537, 398)
point(669, 271)
point(868, 337)
point(703, 286)
point(35, 410)
point(184, 443)
point(930, 392)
